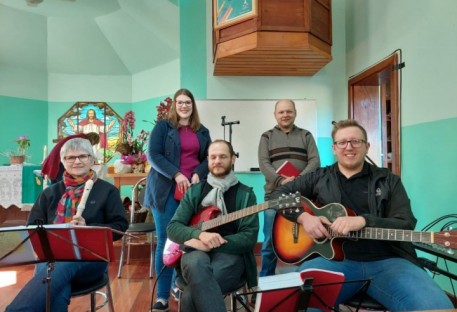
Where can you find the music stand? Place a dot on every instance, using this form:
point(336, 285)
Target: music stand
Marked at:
point(296, 291)
point(51, 243)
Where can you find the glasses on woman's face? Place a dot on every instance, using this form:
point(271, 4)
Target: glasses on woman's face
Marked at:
point(182, 103)
point(355, 143)
point(82, 158)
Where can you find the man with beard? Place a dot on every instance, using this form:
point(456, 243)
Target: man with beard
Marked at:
point(379, 199)
point(214, 263)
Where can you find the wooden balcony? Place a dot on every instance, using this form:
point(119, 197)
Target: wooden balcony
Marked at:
point(291, 38)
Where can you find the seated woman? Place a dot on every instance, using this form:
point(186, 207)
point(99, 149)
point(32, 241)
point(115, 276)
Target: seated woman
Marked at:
point(52, 168)
point(57, 204)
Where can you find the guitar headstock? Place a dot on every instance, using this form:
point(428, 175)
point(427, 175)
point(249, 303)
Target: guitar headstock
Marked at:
point(447, 239)
point(286, 201)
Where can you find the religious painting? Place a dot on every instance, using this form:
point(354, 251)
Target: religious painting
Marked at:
point(98, 117)
point(228, 12)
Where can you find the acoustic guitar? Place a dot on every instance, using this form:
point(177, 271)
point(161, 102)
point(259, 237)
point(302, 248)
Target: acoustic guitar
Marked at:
point(211, 218)
point(293, 245)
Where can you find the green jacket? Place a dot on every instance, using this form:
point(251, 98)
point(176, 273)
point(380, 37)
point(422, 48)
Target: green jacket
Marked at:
point(242, 242)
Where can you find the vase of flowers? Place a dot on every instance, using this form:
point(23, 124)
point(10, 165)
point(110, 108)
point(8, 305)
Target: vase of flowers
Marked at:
point(132, 147)
point(18, 156)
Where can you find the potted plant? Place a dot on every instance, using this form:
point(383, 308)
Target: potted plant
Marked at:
point(18, 156)
point(132, 148)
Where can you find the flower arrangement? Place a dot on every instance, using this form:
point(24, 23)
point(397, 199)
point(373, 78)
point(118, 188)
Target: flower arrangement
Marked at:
point(132, 148)
point(23, 144)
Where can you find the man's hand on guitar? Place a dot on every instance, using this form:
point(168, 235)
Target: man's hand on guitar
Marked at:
point(314, 226)
point(211, 240)
point(344, 225)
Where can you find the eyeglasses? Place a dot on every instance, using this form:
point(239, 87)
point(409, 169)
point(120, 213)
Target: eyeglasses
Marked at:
point(354, 143)
point(182, 103)
point(82, 158)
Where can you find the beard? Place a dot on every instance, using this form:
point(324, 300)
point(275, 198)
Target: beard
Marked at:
point(220, 171)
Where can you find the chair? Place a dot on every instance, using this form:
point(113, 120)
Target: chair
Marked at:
point(137, 228)
point(363, 301)
point(82, 289)
point(234, 295)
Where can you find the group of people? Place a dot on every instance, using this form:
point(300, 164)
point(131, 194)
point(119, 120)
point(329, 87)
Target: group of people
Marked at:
point(183, 156)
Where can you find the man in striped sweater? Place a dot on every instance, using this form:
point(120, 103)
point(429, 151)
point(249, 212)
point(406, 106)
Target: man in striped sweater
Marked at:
point(285, 142)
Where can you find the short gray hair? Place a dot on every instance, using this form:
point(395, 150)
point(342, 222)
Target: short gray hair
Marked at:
point(76, 144)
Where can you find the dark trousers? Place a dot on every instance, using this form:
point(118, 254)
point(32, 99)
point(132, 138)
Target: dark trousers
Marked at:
point(208, 277)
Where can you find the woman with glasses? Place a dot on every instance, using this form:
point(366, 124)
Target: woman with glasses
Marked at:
point(57, 204)
point(52, 168)
point(381, 204)
point(177, 151)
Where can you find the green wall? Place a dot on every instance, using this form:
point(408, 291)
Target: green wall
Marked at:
point(23, 117)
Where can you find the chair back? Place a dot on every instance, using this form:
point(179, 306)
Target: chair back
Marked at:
point(136, 197)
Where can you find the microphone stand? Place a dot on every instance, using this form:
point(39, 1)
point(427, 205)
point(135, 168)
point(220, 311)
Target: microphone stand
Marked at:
point(230, 124)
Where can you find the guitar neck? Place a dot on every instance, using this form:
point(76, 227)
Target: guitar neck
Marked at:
point(391, 235)
point(223, 219)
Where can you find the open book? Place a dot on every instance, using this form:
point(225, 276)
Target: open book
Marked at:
point(56, 242)
point(288, 169)
point(282, 292)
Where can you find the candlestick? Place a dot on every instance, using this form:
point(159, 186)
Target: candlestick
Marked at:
point(45, 152)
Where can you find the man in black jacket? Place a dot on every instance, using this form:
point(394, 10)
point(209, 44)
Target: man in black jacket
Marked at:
point(379, 200)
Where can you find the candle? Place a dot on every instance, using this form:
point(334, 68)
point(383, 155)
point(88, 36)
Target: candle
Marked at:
point(45, 152)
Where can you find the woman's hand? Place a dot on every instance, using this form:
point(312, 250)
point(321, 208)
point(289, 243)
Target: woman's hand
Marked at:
point(77, 220)
point(182, 182)
point(195, 179)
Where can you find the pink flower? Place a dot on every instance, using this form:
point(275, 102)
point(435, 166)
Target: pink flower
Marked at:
point(132, 159)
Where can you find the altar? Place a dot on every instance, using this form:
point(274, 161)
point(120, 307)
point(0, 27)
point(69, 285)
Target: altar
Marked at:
point(19, 186)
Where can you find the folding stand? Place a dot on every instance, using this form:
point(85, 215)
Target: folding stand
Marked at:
point(51, 243)
point(298, 291)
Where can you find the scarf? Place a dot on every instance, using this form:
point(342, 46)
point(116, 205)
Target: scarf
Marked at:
point(220, 185)
point(68, 203)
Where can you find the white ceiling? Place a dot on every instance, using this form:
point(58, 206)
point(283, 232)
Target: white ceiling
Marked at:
point(88, 37)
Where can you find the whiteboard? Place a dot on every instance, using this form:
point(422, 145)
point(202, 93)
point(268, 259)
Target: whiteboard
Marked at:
point(255, 117)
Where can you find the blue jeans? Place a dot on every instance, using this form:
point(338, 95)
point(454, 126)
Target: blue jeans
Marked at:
point(32, 298)
point(396, 283)
point(269, 258)
point(161, 219)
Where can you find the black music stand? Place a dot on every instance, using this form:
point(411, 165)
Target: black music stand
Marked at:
point(297, 291)
point(51, 243)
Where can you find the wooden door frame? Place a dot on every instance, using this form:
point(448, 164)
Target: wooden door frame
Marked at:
point(384, 74)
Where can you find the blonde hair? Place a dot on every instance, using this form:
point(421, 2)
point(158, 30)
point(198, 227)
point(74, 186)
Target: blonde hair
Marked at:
point(346, 124)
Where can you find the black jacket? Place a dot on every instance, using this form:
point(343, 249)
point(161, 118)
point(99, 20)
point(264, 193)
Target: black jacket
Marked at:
point(388, 202)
